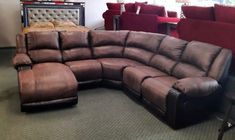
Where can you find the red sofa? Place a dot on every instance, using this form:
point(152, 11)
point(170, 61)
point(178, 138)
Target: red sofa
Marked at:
point(152, 18)
point(215, 25)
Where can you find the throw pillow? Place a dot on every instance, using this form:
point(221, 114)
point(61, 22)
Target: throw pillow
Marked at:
point(139, 4)
point(196, 12)
point(225, 13)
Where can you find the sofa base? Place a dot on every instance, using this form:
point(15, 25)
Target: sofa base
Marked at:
point(45, 105)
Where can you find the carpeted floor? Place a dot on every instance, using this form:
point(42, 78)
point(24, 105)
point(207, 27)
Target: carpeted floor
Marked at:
point(101, 114)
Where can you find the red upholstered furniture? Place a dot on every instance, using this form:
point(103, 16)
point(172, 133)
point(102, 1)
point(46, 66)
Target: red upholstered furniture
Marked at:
point(180, 80)
point(215, 25)
point(152, 18)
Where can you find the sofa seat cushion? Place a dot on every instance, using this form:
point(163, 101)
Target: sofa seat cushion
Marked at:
point(155, 90)
point(113, 67)
point(46, 82)
point(134, 76)
point(86, 70)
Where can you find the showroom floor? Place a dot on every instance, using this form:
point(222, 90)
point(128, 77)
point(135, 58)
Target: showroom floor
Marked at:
point(100, 114)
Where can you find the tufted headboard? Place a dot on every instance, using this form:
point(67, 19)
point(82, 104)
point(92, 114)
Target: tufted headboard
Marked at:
point(48, 12)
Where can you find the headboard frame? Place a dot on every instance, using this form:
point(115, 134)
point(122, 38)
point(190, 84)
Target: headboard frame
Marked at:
point(49, 12)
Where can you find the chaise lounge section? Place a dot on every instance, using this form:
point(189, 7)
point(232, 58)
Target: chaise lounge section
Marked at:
point(181, 81)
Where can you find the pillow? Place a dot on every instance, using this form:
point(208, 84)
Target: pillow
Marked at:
point(64, 24)
point(41, 25)
point(130, 7)
point(139, 4)
point(113, 6)
point(153, 9)
point(138, 10)
point(196, 12)
point(225, 13)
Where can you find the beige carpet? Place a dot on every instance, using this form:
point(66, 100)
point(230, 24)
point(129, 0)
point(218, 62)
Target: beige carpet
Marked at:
point(101, 114)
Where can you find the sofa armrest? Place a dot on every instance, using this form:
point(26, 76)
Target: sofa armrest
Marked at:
point(168, 19)
point(20, 60)
point(197, 86)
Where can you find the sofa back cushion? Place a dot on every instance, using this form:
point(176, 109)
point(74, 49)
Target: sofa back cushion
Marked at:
point(75, 46)
point(196, 60)
point(169, 54)
point(130, 7)
point(141, 46)
point(153, 9)
point(108, 43)
point(196, 12)
point(43, 47)
point(225, 13)
point(113, 6)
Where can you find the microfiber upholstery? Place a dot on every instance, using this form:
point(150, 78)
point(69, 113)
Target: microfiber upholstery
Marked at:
point(157, 69)
point(169, 53)
point(75, 46)
point(109, 44)
point(141, 46)
point(191, 64)
point(44, 47)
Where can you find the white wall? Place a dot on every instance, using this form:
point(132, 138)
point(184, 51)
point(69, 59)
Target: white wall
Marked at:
point(9, 22)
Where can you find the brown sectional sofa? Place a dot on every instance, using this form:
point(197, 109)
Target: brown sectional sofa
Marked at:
point(180, 80)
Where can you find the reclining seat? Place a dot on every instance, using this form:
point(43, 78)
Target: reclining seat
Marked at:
point(141, 47)
point(193, 88)
point(43, 79)
point(108, 47)
point(168, 55)
point(78, 56)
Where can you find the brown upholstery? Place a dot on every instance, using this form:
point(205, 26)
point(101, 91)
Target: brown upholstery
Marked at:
point(44, 47)
point(45, 82)
point(170, 52)
point(113, 67)
point(86, 70)
point(176, 77)
point(20, 43)
point(156, 90)
point(196, 60)
point(21, 59)
point(141, 46)
point(108, 44)
point(197, 86)
point(134, 76)
point(75, 46)
point(219, 69)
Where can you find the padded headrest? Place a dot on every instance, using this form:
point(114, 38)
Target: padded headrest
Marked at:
point(102, 38)
point(74, 39)
point(42, 40)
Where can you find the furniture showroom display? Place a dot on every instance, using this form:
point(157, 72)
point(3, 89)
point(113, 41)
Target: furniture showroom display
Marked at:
point(152, 18)
point(215, 25)
point(181, 81)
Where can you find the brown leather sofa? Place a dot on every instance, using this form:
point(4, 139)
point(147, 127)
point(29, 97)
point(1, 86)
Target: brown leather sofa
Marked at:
point(181, 81)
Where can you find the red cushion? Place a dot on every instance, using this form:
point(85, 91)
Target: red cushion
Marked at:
point(113, 6)
point(130, 7)
point(196, 12)
point(224, 13)
point(153, 9)
point(139, 4)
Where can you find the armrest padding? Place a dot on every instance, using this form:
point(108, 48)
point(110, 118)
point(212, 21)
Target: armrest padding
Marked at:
point(21, 59)
point(197, 86)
